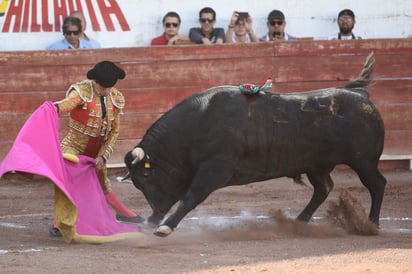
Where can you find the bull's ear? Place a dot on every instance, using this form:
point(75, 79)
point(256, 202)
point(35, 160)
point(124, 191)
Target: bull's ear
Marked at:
point(138, 155)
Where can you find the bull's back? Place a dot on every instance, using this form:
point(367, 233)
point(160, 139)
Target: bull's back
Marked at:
point(286, 134)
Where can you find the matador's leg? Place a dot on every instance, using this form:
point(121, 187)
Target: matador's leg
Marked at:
point(122, 212)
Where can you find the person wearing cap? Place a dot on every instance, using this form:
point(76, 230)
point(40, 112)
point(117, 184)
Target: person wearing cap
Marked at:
point(276, 24)
point(94, 106)
point(346, 23)
point(72, 29)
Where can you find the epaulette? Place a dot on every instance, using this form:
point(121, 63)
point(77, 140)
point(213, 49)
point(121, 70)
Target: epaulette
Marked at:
point(84, 89)
point(117, 98)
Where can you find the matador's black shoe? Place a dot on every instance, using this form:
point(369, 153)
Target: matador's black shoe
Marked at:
point(136, 220)
point(54, 232)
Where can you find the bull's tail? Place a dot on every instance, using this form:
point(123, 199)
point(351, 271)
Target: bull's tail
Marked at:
point(365, 77)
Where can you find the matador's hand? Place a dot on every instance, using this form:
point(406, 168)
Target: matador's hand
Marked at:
point(100, 163)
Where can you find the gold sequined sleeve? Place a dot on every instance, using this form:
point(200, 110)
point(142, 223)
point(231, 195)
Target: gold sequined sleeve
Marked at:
point(69, 103)
point(107, 148)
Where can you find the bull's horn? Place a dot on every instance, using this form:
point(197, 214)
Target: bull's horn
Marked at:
point(127, 176)
point(138, 154)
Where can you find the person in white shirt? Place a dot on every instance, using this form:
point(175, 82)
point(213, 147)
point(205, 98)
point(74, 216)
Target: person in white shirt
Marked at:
point(240, 29)
point(346, 23)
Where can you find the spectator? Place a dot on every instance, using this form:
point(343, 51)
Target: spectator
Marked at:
point(276, 24)
point(207, 34)
point(171, 24)
point(346, 23)
point(95, 106)
point(240, 30)
point(78, 14)
point(72, 29)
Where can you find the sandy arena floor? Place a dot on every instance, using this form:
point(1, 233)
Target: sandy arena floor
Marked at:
point(236, 230)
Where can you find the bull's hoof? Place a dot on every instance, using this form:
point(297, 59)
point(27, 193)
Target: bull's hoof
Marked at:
point(163, 231)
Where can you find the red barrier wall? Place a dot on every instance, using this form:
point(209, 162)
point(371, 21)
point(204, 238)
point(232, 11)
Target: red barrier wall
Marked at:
point(159, 77)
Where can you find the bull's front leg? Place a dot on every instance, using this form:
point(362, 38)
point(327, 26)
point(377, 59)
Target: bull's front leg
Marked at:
point(155, 218)
point(208, 178)
point(190, 201)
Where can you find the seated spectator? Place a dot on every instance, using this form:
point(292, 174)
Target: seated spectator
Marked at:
point(72, 28)
point(346, 23)
point(276, 24)
point(207, 34)
point(240, 30)
point(171, 24)
point(78, 14)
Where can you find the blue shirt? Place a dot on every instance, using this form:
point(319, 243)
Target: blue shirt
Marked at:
point(94, 43)
point(64, 44)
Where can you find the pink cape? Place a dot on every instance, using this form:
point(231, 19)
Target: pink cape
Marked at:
point(37, 150)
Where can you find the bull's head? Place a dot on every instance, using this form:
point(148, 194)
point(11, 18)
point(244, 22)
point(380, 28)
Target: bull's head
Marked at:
point(154, 180)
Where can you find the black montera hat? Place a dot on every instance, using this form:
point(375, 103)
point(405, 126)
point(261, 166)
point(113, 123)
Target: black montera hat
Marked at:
point(346, 12)
point(276, 14)
point(106, 73)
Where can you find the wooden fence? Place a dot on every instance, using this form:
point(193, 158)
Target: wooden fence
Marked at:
point(159, 77)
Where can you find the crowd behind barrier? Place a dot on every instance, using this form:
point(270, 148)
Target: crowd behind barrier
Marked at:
point(239, 30)
point(118, 26)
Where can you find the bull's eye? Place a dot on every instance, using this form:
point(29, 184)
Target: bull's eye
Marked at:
point(146, 174)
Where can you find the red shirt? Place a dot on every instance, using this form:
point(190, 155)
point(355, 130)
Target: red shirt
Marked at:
point(160, 40)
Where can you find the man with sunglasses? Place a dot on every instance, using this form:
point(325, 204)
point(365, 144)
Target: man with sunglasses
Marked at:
point(346, 23)
point(78, 14)
point(72, 28)
point(171, 24)
point(276, 24)
point(207, 34)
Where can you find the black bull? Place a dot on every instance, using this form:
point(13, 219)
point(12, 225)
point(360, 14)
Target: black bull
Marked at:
point(222, 137)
